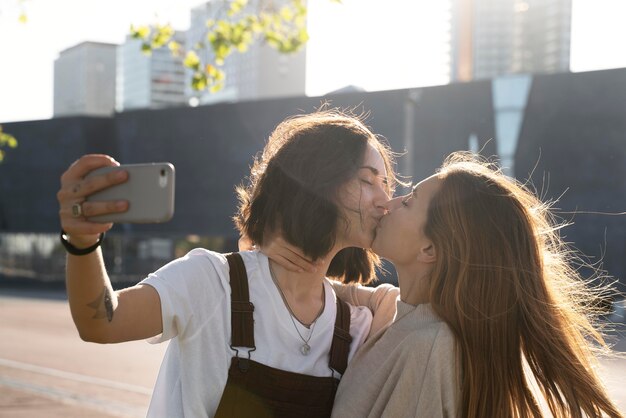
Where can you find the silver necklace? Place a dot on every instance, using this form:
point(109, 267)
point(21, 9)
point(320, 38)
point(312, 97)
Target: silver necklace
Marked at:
point(304, 348)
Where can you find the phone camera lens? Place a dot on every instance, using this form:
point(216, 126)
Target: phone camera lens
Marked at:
point(162, 172)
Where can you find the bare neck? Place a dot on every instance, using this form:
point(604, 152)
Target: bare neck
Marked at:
point(303, 292)
point(297, 284)
point(414, 283)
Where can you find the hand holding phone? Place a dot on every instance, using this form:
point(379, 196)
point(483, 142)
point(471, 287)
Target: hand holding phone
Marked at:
point(149, 191)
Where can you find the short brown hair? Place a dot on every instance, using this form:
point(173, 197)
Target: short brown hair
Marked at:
point(294, 184)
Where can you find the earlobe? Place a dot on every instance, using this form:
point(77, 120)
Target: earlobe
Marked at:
point(428, 254)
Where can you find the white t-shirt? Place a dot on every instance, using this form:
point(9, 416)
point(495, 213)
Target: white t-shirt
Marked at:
point(195, 306)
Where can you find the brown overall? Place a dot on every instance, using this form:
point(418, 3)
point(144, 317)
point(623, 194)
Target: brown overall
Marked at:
point(254, 390)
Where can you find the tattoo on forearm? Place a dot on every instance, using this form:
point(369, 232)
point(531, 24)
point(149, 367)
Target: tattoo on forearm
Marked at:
point(103, 305)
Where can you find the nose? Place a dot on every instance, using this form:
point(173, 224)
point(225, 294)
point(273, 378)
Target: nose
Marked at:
point(393, 204)
point(381, 200)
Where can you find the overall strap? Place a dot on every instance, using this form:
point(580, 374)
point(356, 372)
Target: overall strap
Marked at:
point(242, 322)
point(340, 347)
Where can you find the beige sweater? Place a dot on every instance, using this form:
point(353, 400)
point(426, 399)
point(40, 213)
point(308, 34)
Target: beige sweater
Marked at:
point(409, 370)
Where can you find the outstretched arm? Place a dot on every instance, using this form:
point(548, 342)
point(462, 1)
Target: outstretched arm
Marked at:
point(100, 314)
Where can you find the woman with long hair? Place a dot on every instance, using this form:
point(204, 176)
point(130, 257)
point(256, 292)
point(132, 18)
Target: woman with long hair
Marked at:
point(492, 321)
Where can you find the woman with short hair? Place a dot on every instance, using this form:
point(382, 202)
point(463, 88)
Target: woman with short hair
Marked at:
point(246, 337)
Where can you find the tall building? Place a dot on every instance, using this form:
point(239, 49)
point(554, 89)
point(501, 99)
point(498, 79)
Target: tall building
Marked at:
point(84, 80)
point(261, 72)
point(153, 80)
point(497, 37)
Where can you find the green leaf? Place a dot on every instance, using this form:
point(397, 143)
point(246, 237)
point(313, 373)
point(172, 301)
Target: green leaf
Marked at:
point(162, 36)
point(211, 70)
point(301, 7)
point(216, 87)
point(236, 6)
point(303, 36)
point(286, 13)
point(222, 51)
point(223, 26)
point(6, 140)
point(174, 47)
point(142, 32)
point(282, 27)
point(220, 75)
point(192, 60)
point(199, 81)
point(146, 48)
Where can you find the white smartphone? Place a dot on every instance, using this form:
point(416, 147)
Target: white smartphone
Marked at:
point(149, 191)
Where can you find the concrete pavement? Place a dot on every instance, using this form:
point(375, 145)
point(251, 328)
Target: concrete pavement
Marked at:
point(47, 371)
point(24, 403)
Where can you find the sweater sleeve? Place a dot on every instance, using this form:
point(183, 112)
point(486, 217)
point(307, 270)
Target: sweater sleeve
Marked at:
point(381, 300)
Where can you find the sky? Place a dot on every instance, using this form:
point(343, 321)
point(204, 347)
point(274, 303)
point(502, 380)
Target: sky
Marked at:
point(358, 42)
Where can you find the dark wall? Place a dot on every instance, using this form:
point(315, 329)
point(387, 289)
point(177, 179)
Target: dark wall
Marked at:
point(574, 134)
point(445, 118)
point(29, 175)
point(573, 141)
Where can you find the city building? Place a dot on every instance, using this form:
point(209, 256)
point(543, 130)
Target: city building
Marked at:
point(259, 73)
point(565, 152)
point(84, 80)
point(153, 80)
point(497, 37)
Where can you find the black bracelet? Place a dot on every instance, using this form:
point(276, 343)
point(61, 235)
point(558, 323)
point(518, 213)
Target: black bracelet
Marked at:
point(79, 251)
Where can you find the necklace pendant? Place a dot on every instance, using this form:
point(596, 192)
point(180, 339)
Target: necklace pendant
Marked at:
point(305, 349)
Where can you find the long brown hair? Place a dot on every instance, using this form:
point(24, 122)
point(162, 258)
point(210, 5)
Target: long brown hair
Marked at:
point(294, 185)
point(520, 311)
